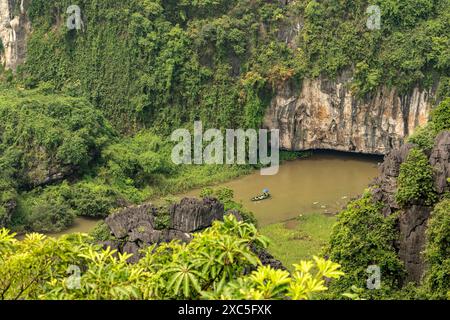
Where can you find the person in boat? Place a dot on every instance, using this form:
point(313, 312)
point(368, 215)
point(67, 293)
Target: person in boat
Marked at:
point(264, 196)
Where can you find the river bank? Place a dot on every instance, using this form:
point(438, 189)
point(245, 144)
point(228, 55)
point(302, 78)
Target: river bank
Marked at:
point(320, 184)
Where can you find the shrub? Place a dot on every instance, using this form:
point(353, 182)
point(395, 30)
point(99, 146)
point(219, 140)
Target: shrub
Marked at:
point(137, 160)
point(101, 232)
point(48, 210)
point(415, 181)
point(363, 237)
point(441, 116)
point(214, 265)
point(424, 137)
point(437, 253)
point(92, 200)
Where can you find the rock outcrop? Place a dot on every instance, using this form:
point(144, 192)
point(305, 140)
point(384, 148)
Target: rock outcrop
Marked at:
point(14, 29)
point(440, 160)
point(190, 215)
point(325, 114)
point(386, 183)
point(412, 224)
point(318, 114)
point(134, 228)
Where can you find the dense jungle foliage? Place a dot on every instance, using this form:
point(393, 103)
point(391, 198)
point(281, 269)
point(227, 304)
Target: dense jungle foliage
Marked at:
point(85, 125)
point(363, 236)
point(212, 266)
point(163, 64)
point(139, 69)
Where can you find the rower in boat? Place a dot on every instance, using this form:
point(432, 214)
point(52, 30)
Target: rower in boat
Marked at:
point(264, 196)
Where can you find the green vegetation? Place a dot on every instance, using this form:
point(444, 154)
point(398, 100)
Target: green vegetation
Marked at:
point(211, 266)
point(59, 159)
point(294, 155)
point(412, 38)
point(440, 120)
point(424, 137)
point(304, 239)
point(45, 136)
point(415, 182)
point(437, 253)
point(104, 99)
point(164, 63)
point(363, 237)
point(440, 116)
point(86, 120)
point(159, 64)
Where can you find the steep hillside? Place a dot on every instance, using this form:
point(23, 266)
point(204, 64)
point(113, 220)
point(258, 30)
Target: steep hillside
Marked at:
point(310, 68)
point(402, 224)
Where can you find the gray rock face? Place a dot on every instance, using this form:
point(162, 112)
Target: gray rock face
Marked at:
point(192, 215)
point(134, 227)
point(325, 114)
point(132, 248)
point(440, 160)
point(413, 225)
point(387, 179)
point(14, 30)
point(132, 221)
point(267, 259)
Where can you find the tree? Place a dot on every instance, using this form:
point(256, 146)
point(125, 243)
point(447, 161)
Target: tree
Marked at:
point(415, 181)
point(213, 265)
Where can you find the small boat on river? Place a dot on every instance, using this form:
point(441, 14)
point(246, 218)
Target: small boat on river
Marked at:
point(264, 196)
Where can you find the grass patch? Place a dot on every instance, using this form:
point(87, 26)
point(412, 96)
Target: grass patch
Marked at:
point(304, 240)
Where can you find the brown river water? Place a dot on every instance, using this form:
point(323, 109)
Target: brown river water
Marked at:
point(323, 183)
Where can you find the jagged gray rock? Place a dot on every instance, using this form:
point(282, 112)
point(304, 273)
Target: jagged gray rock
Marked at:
point(440, 160)
point(412, 226)
point(413, 219)
point(192, 215)
point(134, 249)
point(133, 227)
point(132, 221)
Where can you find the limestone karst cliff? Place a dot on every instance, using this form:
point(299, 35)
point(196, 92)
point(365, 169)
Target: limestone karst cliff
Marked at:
point(317, 114)
point(413, 219)
point(14, 27)
point(324, 114)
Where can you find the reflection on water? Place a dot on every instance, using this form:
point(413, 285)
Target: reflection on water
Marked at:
point(323, 183)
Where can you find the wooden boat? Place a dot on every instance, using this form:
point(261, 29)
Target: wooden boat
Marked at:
point(262, 197)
